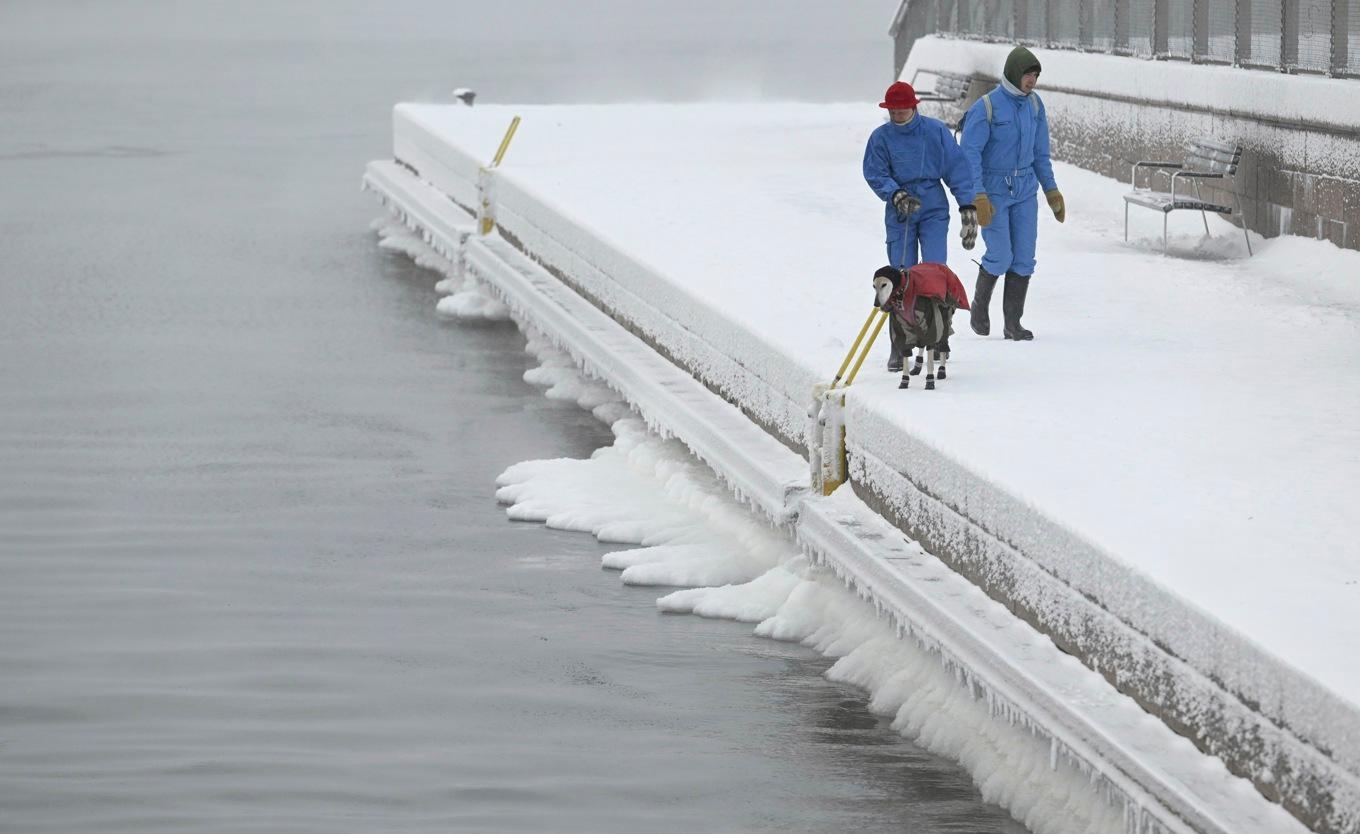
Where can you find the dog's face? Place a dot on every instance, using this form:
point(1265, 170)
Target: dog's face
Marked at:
point(883, 288)
point(886, 280)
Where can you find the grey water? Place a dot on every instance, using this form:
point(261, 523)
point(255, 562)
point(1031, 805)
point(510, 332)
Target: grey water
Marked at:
point(252, 573)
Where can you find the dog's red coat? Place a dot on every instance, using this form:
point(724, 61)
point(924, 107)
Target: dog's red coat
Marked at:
point(934, 281)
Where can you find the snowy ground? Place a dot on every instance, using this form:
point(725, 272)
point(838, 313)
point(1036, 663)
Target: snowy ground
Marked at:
point(1192, 415)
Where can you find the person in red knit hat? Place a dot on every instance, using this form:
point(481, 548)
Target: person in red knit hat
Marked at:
point(907, 162)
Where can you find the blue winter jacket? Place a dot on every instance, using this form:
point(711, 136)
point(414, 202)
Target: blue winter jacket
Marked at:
point(1009, 152)
point(917, 156)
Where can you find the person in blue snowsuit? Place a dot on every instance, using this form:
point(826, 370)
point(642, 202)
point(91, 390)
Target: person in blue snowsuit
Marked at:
point(905, 162)
point(1005, 139)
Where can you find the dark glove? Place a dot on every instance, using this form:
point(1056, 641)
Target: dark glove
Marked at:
point(905, 204)
point(969, 232)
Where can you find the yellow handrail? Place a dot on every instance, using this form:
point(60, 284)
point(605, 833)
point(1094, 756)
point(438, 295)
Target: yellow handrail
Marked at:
point(487, 223)
point(865, 353)
point(865, 329)
point(505, 143)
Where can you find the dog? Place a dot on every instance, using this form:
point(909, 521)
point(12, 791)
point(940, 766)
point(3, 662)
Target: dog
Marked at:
point(920, 302)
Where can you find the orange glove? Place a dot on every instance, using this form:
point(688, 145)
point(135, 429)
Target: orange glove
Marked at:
point(984, 208)
point(1055, 202)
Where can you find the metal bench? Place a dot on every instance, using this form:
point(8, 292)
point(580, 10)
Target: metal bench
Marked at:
point(1204, 159)
point(950, 89)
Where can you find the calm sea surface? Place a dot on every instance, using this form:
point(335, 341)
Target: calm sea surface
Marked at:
point(252, 574)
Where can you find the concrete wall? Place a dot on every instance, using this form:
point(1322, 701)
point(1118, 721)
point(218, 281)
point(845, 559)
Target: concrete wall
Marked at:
point(1297, 177)
point(1293, 179)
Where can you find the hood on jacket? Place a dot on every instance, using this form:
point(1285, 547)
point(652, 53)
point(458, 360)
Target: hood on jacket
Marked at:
point(1019, 62)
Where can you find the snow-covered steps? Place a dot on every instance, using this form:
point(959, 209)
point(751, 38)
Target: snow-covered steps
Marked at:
point(1162, 781)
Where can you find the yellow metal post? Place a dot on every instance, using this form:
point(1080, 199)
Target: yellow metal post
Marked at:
point(865, 353)
point(865, 329)
point(830, 485)
point(835, 466)
point(488, 222)
point(830, 465)
point(505, 143)
point(487, 225)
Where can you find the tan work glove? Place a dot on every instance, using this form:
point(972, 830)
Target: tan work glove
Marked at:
point(1055, 202)
point(984, 209)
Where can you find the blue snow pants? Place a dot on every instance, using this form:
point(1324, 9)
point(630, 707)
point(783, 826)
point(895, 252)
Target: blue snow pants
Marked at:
point(924, 238)
point(1010, 237)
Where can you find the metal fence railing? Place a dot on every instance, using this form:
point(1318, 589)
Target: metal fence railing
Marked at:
point(1310, 36)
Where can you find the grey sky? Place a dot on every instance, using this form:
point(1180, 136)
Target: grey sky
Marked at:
point(511, 50)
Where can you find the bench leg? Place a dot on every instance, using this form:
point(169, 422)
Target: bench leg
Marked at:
point(1165, 246)
point(1240, 216)
point(1203, 216)
point(1126, 221)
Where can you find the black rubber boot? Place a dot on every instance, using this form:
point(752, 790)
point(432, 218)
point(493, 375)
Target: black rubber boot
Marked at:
point(1013, 306)
point(982, 297)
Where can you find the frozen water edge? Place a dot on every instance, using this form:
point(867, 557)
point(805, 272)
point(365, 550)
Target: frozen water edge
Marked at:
point(1158, 780)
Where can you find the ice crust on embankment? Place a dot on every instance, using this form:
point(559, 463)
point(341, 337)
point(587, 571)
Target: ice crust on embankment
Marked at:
point(688, 531)
point(464, 298)
point(649, 492)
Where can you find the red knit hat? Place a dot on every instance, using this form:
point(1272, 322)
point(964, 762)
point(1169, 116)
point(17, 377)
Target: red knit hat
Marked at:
point(900, 96)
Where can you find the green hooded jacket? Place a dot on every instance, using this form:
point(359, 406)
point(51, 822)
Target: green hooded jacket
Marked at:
point(1019, 62)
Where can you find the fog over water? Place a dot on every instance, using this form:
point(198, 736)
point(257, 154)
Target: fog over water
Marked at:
point(252, 573)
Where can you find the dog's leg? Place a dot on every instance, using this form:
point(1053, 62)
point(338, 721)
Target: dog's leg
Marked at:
point(930, 368)
point(943, 356)
point(916, 365)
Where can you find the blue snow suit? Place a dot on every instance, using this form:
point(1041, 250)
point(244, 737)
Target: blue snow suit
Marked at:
point(917, 156)
point(1008, 156)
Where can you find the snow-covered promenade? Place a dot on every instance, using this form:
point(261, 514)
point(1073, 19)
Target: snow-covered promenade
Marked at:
point(1163, 482)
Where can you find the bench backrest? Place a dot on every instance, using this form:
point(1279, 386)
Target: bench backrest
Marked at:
point(951, 86)
point(1212, 156)
point(948, 86)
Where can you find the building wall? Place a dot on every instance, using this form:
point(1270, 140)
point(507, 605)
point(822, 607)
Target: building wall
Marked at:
point(1299, 175)
point(1291, 180)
